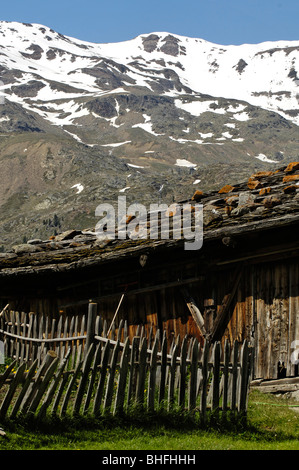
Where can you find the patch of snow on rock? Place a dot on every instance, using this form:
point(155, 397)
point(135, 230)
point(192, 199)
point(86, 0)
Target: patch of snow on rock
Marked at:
point(183, 162)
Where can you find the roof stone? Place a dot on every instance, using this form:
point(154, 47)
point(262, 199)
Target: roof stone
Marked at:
point(233, 208)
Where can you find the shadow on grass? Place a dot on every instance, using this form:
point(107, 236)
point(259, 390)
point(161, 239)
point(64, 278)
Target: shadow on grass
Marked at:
point(250, 427)
point(144, 421)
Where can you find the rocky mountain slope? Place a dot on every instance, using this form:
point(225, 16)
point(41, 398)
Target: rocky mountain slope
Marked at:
point(153, 118)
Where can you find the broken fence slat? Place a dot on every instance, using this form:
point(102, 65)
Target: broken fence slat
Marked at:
point(11, 391)
point(34, 386)
point(216, 377)
point(122, 379)
point(163, 368)
point(94, 372)
point(69, 390)
point(205, 371)
point(234, 379)
point(52, 389)
point(225, 374)
point(101, 383)
point(4, 376)
point(43, 386)
point(243, 377)
point(83, 380)
point(152, 376)
point(132, 368)
point(172, 371)
point(182, 372)
point(193, 376)
point(91, 324)
point(25, 387)
point(141, 373)
point(110, 385)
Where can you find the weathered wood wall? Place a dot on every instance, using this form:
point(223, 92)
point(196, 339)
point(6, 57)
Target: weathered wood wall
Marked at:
point(264, 310)
point(164, 310)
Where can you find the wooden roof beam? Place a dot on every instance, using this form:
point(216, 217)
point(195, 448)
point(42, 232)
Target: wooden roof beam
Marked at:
point(222, 317)
point(195, 312)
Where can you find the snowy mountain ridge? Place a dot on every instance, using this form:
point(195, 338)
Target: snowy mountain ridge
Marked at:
point(264, 74)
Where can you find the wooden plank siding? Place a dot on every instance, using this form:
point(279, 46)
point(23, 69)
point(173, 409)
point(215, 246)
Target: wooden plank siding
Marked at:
point(265, 311)
point(164, 310)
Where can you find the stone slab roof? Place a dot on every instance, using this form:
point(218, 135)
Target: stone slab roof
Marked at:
point(268, 199)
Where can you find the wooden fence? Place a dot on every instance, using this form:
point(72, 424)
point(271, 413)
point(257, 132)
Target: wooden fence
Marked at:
point(59, 376)
point(27, 337)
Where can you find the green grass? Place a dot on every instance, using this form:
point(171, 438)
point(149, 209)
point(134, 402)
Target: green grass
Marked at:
point(271, 425)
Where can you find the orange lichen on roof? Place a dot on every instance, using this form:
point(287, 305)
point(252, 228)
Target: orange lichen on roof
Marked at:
point(264, 191)
point(253, 183)
point(289, 178)
point(226, 189)
point(261, 174)
point(197, 196)
point(292, 167)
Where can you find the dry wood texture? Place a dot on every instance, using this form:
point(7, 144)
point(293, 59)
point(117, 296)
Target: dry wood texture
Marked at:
point(66, 368)
point(115, 376)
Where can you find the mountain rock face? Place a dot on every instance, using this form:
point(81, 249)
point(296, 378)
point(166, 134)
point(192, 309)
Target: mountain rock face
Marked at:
point(154, 119)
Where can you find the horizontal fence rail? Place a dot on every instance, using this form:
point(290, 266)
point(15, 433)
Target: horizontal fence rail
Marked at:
point(74, 369)
point(27, 337)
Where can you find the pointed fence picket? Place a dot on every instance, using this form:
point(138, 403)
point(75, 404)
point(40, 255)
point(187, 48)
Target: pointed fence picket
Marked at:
point(71, 368)
point(112, 378)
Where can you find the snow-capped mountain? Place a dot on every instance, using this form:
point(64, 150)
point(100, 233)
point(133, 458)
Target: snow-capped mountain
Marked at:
point(160, 109)
point(68, 82)
point(261, 74)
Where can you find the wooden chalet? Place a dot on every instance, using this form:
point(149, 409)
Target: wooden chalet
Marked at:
point(242, 284)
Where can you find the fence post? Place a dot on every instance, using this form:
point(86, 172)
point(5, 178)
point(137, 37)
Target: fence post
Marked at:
point(91, 323)
point(244, 369)
point(204, 386)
